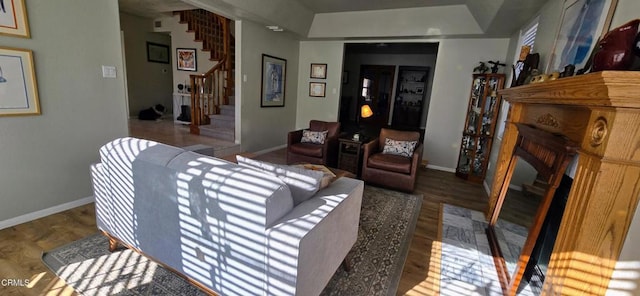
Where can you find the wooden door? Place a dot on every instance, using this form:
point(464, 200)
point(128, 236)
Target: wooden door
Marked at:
point(375, 87)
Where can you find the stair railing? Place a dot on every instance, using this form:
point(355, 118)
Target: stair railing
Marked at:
point(210, 90)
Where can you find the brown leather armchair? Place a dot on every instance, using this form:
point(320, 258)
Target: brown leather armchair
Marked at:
point(325, 154)
point(393, 171)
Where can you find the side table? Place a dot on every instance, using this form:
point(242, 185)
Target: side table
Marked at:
point(350, 155)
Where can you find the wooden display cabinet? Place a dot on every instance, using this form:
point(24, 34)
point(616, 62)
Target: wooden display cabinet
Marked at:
point(479, 127)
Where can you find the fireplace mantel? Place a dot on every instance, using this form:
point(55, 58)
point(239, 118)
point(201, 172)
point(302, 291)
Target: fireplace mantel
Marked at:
point(601, 112)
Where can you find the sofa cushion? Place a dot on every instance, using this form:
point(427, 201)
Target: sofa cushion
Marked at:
point(313, 137)
point(402, 148)
point(303, 183)
point(390, 162)
point(307, 149)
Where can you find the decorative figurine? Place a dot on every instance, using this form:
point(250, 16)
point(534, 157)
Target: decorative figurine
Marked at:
point(495, 64)
point(482, 68)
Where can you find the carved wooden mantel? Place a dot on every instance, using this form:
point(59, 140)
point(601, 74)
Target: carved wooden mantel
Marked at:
point(601, 112)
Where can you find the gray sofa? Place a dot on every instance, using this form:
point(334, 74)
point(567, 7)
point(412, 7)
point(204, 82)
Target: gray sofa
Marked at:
point(232, 230)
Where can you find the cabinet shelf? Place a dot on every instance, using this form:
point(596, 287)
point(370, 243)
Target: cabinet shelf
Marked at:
point(479, 127)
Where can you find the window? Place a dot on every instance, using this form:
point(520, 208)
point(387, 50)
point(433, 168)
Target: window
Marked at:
point(527, 37)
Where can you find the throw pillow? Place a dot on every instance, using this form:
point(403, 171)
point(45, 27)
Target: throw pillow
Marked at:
point(402, 148)
point(313, 137)
point(303, 183)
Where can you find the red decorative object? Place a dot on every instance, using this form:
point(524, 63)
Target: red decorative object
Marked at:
point(616, 49)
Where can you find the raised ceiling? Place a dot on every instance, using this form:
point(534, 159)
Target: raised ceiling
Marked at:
point(490, 18)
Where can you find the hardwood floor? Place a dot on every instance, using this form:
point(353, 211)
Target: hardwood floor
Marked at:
point(21, 246)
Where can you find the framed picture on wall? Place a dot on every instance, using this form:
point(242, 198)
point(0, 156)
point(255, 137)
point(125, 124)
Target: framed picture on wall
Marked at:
point(274, 74)
point(13, 18)
point(319, 71)
point(158, 53)
point(187, 59)
point(18, 88)
point(317, 89)
point(583, 23)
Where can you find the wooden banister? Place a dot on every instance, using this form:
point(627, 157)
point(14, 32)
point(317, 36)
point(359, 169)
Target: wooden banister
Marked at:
point(212, 89)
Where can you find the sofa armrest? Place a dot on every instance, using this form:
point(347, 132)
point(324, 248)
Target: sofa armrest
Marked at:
point(101, 196)
point(294, 137)
point(307, 245)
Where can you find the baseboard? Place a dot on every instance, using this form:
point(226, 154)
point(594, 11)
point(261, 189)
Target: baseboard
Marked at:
point(270, 149)
point(46, 212)
point(439, 168)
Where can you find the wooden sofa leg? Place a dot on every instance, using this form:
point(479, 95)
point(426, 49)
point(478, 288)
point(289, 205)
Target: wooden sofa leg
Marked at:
point(346, 263)
point(113, 244)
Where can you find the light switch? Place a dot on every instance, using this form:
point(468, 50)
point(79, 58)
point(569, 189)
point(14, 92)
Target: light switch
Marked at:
point(108, 71)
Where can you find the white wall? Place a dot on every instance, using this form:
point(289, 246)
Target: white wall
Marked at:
point(323, 52)
point(450, 95)
point(148, 83)
point(264, 128)
point(180, 38)
point(44, 160)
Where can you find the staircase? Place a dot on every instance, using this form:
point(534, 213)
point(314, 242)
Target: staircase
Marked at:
point(213, 109)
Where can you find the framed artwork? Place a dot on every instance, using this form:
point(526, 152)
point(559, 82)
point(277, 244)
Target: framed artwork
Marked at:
point(18, 88)
point(319, 71)
point(583, 23)
point(186, 59)
point(274, 74)
point(345, 77)
point(157, 53)
point(317, 89)
point(13, 18)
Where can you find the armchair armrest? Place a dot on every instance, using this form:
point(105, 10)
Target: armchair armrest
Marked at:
point(416, 159)
point(371, 147)
point(294, 137)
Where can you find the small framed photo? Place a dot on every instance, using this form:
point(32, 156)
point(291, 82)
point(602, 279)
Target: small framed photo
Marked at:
point(319, 71)
point(419, 90)
point(13, 18)
point(317, 89)
point(18, 83)
point(186, 59)
point(157, 53)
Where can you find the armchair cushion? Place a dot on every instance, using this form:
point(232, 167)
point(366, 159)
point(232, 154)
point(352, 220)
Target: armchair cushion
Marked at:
point(302, 183)
point(307, 149)
point(313, 137)
point(401, 148)
point(390, 162)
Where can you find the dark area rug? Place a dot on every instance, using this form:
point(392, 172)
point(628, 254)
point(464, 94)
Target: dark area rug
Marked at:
point(387, 222)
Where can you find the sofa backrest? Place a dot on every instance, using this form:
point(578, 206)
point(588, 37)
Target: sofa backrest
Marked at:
point(187, 209)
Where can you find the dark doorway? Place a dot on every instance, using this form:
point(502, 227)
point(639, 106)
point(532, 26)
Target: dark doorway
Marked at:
point(380, 64)
point(375, 90)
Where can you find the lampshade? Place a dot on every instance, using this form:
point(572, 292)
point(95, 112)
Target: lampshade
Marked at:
point(365, 111)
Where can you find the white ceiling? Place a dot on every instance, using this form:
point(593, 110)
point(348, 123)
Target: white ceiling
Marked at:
point(497, 18)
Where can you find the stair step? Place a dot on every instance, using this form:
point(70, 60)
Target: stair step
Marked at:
point(228, 110)
point(222, 121)
point(221, 133)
